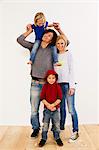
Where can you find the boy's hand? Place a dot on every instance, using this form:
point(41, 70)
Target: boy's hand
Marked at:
point(51, 107)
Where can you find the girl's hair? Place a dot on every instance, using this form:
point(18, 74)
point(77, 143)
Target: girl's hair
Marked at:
point(39, 15)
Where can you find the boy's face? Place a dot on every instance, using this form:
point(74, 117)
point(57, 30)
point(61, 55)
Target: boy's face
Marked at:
point(51, 79)
point(40, 22)
point(47, 37)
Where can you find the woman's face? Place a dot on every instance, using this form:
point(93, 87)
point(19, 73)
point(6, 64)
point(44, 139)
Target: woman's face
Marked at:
point(60, 44)
point(47, 37)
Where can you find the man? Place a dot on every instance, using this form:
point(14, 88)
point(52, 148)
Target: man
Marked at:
point(42, 63)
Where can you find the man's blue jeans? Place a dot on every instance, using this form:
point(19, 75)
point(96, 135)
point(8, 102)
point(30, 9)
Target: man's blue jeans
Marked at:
point(54, 116)
point(71, 107)
point(35, 103)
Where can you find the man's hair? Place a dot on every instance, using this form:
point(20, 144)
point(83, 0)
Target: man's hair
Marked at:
point(54, 38)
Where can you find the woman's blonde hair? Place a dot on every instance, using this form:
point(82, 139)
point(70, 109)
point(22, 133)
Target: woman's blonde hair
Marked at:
point(63, 37)
point(39, 15)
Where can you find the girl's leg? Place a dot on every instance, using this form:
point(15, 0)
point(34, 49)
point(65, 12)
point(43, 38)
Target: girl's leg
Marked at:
point(34, 50)
point(54, 53)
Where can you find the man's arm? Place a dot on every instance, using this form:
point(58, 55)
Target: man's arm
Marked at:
point(21, 39)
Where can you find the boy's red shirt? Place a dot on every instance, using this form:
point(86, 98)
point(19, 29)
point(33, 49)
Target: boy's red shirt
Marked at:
point(51, 92)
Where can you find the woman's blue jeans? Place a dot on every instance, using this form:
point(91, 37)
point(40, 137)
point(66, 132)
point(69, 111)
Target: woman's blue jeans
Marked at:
point(71, 107)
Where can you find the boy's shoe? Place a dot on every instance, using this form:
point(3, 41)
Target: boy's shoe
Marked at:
point(35, 133)
point(42, 143)
point(74, 136)
point(59, 142)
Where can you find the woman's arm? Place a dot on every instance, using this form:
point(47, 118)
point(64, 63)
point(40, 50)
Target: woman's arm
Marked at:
point(71, 73)
point(57, 27)
point(21, 39)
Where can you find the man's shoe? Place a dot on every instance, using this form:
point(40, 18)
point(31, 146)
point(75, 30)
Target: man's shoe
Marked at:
point(74, 137)
point(59, 142)
point(42, 143)
point(35, 133)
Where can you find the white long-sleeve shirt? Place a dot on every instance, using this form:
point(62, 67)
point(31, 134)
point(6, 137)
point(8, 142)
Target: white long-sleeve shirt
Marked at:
point(65, 72)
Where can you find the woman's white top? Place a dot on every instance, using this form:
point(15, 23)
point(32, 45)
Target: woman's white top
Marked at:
point(65, 71)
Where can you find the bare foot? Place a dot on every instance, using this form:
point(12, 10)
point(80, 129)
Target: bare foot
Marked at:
point(30, 62)
point(57, 64)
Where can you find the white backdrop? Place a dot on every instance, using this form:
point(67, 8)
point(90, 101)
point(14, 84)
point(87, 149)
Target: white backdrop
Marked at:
point(78, 20)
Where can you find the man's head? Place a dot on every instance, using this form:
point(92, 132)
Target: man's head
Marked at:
point(49, 37)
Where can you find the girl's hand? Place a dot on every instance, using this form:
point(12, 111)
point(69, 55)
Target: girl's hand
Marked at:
point(29, 28)
point(71, 91)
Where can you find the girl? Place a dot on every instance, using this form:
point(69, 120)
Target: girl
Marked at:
point(39, 26)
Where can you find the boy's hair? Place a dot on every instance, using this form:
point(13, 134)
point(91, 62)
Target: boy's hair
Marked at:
point(39, 15)
point(54, 38)
point(49, 72)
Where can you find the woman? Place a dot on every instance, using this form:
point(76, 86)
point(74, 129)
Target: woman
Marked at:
point(67, 83)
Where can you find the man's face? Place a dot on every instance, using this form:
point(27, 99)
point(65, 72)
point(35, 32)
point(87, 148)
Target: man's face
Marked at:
point(47, 37)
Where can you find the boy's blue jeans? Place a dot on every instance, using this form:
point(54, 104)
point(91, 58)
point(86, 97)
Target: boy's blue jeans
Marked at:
point(34, 50)
point(71, 107)
point(35, 102)
point(54, 116)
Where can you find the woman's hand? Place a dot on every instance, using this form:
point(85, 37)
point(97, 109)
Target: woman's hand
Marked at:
point(71, 91)
point(56, 25)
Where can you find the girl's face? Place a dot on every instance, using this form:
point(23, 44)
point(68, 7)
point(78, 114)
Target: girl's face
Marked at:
point(51, 79)
point(47, 37)
point(40, 22)
point(60, 44)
